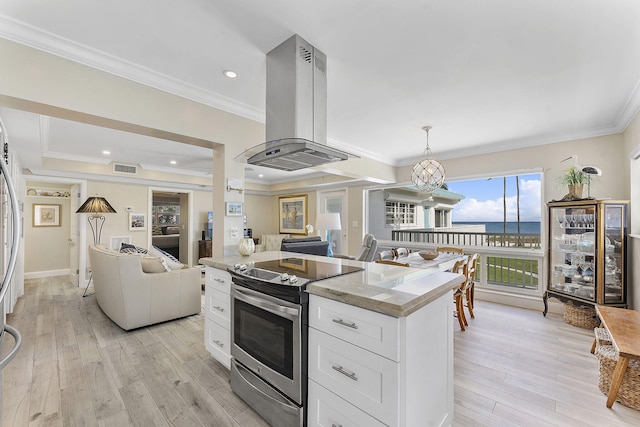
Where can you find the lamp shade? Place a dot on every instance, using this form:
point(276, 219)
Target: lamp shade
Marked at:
point(328, 221)
point(96, 205)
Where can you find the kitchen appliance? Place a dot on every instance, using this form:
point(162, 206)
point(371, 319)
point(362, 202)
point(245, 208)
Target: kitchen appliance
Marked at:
point(296, 110)
point(269, 321)
point(11, 264)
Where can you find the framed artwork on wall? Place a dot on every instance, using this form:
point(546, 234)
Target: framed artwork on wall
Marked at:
point(46, 215)
point(137, 222)
point(292, 214)
point(233, 209)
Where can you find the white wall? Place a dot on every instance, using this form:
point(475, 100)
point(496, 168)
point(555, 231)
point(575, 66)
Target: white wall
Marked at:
point(47, 248)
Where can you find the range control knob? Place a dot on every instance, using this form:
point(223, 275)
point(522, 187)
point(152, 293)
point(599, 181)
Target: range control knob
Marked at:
point(284, 277)
point(241, 267)
point(293, 278)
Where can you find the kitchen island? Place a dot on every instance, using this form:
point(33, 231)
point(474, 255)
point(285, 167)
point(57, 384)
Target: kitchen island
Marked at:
point(380, 346)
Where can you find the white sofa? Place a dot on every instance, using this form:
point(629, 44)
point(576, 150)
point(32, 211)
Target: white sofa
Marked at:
point(132, 298)
point(270, 242)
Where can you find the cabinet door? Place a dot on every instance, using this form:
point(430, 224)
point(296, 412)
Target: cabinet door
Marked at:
point(217, 341)
point(326, 410)
point(613, 253)
point(365, 379)
point(572, 249)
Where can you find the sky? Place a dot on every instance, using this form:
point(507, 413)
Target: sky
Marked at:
point(484, 199)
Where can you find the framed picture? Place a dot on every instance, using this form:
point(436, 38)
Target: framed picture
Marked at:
point(137, 222)
point(293, 214)
point(233, 209)
point(117, 241)
point(46, 215)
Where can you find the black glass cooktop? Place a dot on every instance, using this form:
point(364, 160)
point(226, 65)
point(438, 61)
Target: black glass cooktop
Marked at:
point(305, 268)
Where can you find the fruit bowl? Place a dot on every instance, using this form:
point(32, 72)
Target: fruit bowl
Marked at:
point(428, 255)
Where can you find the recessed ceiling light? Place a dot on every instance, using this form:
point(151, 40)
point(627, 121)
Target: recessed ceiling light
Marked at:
point(260, 176)
point(231, 74)
point(173, 162)
point(106, 152)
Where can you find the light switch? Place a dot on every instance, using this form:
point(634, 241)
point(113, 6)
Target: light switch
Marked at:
point(354, 224)
point(235, 232)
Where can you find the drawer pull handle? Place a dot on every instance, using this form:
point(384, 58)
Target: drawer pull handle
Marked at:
point(219, 343)
point(340, 369)
point(218, 280)
point(217, 307)
point(336, 425)
point(347, 324)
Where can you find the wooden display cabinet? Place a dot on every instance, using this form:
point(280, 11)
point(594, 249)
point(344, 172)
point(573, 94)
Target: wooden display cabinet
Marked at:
point(587, 252)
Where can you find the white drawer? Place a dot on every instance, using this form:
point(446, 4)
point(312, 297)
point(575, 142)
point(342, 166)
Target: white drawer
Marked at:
point(219, 279)
point(217, 306)
point(326, 410)
point(217, 341)
point(361, 377)
point(365, 328)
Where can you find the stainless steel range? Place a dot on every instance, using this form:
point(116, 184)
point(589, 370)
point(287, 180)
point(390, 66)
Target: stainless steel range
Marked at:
point(269, 320)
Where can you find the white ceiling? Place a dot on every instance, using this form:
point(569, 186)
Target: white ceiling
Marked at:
point(487, 75)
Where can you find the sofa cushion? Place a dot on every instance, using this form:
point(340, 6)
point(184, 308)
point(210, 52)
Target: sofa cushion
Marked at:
point(126, 248)
point(152, 264)
point(272, 242)
point(171, 230)
point(169, 259)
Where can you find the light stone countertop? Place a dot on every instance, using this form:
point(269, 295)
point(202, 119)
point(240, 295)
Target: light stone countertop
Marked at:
point(393, 290)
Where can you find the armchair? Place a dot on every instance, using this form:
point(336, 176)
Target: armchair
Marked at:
point(367, 250)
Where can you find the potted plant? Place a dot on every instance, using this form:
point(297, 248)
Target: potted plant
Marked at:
point(575, 179)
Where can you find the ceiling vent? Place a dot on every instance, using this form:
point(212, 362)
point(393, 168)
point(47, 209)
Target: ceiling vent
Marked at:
point(128, 169)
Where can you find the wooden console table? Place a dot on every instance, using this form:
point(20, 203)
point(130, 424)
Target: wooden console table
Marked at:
point(624, 328)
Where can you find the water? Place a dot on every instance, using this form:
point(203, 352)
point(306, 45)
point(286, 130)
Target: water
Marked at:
point(526, 227)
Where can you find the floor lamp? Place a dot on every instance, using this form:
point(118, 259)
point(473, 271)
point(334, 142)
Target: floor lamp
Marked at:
point(328, 221)
point(96, 207)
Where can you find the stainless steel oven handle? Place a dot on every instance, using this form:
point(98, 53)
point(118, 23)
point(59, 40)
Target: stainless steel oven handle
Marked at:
point(257, 299)
point(16, 336)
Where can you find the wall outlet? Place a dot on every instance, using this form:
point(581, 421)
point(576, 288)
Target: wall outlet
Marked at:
point(354, 224)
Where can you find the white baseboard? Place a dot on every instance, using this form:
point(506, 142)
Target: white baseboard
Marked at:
point(522, 301)
point(47, 273)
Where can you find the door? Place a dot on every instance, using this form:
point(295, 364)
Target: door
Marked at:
point(74, 235)
point(335, 202)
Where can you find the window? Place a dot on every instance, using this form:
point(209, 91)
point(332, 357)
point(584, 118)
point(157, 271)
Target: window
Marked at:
point(400, 213)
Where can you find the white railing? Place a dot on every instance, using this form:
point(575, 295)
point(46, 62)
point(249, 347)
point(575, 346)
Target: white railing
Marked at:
point(505, 269)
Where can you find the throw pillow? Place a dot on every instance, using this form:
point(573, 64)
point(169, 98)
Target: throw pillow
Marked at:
point(152, 264)
point(171, 261)
point(126, 248)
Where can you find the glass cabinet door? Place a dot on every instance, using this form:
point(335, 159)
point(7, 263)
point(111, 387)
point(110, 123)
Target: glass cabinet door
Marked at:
point(613, 255)
point(573, 251)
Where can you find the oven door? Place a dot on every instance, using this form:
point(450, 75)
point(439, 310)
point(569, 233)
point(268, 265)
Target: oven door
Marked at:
point(266, 335)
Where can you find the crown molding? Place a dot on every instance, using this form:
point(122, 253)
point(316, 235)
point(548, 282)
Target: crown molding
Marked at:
point(630, 110)
point(518, 144)
point(53, 44)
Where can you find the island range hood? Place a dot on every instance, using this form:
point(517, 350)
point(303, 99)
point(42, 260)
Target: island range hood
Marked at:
point(296, 106)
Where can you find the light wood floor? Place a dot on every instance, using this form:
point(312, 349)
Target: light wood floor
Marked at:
point(76, 368)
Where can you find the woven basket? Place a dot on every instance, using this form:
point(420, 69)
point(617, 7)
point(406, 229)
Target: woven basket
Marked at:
point(582, 317)
point(629, 392)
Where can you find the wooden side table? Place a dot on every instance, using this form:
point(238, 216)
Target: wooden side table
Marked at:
point(204, 248)
point(624, 328)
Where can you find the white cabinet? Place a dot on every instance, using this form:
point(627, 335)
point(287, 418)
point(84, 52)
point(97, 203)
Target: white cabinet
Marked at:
point(217, 324)
point(367, 368)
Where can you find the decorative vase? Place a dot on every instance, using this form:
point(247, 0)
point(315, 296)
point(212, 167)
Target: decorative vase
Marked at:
point(246, 247)
point(576, 190)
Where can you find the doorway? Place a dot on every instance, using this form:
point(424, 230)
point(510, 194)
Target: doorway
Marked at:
point(64, 196)
point(335, 202)
point(171, 226)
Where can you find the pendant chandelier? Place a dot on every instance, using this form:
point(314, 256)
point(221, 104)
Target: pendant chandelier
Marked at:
point(428, 174)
